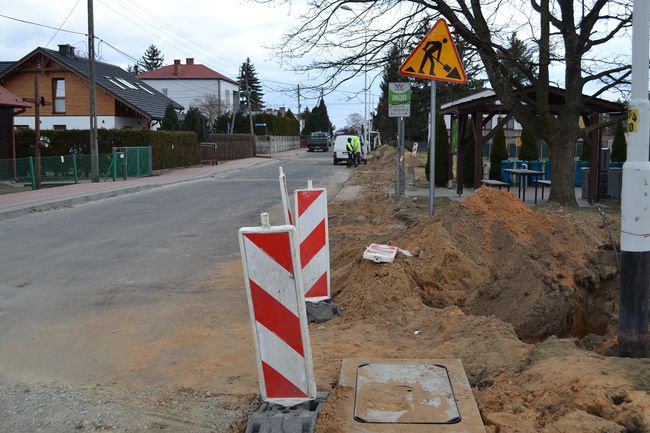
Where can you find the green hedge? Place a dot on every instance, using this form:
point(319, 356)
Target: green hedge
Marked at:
point(169, 148)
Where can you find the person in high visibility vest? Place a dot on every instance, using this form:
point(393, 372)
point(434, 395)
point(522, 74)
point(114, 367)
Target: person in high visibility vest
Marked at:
point(351, 153)
point(357, 150)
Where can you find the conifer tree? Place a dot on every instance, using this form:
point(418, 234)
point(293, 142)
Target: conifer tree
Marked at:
point(529, 150)
point(249, 83)
point(170, 119)
point(152, 59)
point(499, 153)
point(195, 121)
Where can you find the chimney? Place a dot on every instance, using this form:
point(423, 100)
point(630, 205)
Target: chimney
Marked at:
point(189, 61)
point(177, 64)
point(66, 50)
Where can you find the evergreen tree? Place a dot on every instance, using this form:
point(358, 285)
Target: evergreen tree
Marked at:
point(195, 121)
point(152, 59)
point(619, 147)
point(170, 120)
point(517, 62)
point(320, 119)
point(499, 153)
point(468, 154)
point(133, 70)
point(442, 154)
point(248, 77)
point(529, 150)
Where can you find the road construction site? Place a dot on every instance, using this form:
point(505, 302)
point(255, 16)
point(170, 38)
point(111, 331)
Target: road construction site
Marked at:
point(525, 297)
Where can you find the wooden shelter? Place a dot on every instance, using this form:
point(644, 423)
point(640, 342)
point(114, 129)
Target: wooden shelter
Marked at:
point(484, 105)
point(9, 103)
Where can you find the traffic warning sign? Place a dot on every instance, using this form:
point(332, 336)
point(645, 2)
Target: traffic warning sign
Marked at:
point(435, 58)
point(312, 228)
point(276, 303)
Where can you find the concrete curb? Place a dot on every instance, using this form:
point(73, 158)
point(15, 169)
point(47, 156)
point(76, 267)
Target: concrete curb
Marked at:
point(29, 208)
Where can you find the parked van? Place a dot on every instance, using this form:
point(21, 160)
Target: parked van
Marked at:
point(340, 150)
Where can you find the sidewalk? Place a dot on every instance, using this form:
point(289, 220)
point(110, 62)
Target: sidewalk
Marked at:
point(23, 203)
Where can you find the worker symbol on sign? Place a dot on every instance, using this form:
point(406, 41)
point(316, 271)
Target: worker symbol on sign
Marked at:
point(431, 48)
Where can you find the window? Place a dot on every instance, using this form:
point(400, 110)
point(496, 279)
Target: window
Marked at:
point(58, 88)
point(59, 127)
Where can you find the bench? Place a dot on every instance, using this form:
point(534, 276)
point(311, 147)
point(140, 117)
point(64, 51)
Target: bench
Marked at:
point(543, 183)
point(495, 183)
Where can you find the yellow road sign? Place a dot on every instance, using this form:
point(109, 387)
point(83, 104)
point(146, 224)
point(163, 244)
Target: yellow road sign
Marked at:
point(436, 57)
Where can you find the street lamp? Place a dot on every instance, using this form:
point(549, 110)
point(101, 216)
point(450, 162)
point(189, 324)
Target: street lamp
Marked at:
point(366, 137)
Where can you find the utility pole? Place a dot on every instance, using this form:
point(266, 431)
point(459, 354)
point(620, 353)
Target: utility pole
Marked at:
point(37, 127)
point(635, 215)
point(248, 99)
point(299, 101)
point(94, 152)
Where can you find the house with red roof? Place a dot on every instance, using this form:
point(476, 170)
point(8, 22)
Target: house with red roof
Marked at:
point(191, 84)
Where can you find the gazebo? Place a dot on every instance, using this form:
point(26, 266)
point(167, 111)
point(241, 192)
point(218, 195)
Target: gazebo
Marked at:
point(484, 105)
point(8, 104)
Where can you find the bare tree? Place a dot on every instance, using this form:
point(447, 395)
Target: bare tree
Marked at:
point(354, 121)
point(570, 40)
point(211, 106)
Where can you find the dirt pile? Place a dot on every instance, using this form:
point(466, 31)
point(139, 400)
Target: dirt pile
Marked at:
point(526, 298)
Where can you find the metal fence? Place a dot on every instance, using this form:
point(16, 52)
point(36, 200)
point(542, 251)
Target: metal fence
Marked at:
point(67, 169)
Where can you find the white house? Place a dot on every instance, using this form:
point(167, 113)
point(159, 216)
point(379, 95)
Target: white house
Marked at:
point(191, 84)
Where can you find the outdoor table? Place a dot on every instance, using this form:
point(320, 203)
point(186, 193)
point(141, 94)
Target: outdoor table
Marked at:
point(524, 174)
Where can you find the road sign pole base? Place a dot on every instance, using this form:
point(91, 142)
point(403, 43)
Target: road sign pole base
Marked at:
point(319, 312)
point(275, 418)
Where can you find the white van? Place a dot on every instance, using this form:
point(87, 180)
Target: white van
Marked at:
point(340, 149)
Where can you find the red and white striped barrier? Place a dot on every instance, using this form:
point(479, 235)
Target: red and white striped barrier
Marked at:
point(284, 192)
point(311, 225)
point(277, 307)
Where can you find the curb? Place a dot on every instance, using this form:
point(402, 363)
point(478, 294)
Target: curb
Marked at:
point(27, 209)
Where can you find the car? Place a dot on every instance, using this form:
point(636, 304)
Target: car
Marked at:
point(340, 150)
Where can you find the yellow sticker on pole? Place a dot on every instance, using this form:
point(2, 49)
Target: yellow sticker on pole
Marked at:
point(633, 120)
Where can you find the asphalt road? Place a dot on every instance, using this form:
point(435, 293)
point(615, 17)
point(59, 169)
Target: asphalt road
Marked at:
point(65, 274)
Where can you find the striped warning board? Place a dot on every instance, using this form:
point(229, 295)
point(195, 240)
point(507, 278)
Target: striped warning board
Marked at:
point(311, 224)
point(284, 192)
point(277, 308)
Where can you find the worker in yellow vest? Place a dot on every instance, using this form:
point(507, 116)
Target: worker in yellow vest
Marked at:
point(357, 150)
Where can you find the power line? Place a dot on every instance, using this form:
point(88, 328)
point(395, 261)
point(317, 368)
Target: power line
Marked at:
point(43, 25)
point(62, 24)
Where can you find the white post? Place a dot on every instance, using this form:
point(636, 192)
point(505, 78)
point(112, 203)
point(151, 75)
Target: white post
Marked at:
point(635, 212)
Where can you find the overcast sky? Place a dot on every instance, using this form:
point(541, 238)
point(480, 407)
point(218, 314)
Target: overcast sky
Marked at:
point(217, 33)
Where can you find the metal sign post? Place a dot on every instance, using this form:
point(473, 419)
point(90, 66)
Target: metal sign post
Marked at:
point(399, 105)
point(432, 150)
point(435, 58)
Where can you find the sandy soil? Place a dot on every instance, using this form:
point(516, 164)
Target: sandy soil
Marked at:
point(526, 298)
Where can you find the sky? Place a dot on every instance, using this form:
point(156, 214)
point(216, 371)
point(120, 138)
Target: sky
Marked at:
point(220, 34)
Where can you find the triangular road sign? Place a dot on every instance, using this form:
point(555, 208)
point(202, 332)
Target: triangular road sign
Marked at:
point(436, 57)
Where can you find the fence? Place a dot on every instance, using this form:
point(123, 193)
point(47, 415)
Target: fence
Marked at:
point(269, 144)
point(233, 146)
point(65, 169)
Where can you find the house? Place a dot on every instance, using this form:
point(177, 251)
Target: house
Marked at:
point(61, 85)
point(9, 103)
point(193, 84)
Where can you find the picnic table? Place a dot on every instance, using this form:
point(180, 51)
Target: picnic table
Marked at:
point(495, 183)
point(524, 174)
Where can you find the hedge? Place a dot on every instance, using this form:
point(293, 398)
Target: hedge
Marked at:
point(169, 148)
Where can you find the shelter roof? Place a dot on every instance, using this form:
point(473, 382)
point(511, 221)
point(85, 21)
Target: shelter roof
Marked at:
point(486, 101)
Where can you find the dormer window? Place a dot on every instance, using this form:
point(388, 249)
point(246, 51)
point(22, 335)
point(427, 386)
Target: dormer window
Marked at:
point(58, 90)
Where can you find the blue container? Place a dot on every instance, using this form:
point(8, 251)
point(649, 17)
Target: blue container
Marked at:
point(579, 166)
point(537, 166)
point(505, 176)
point(547, 170)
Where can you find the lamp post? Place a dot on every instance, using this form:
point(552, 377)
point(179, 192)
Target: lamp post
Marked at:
point(366, 137)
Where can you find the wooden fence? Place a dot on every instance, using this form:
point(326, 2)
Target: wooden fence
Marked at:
point(233, 146)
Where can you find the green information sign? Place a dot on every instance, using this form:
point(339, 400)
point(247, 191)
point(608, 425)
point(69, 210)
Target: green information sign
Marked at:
point(399, 99)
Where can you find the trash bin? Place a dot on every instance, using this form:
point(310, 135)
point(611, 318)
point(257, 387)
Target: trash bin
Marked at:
point(614, 182)
point(505, 176)
point(584, 179)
